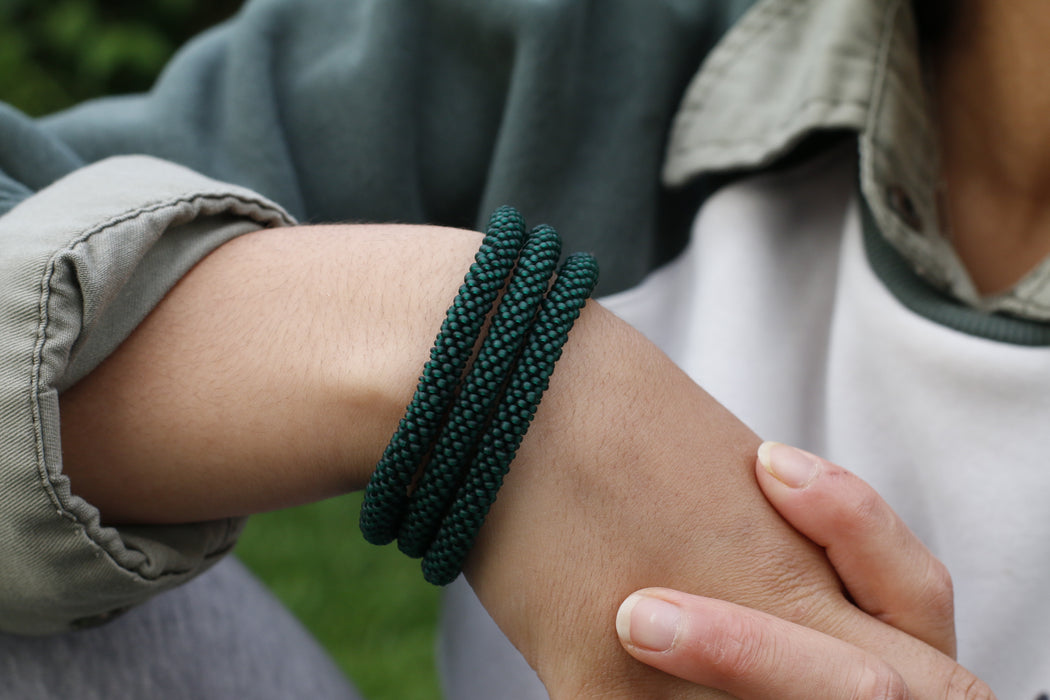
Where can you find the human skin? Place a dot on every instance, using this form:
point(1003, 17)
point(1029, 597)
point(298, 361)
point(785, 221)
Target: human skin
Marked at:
point(991, 92)
point(275, 372)
point(888, 572)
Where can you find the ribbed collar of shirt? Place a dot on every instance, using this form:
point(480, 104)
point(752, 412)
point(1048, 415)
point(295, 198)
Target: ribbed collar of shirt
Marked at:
point(791, 68)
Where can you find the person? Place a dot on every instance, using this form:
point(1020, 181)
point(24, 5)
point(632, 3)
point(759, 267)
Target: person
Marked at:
point(384, 112)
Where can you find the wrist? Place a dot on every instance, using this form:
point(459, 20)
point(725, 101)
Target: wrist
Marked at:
point(631, 476)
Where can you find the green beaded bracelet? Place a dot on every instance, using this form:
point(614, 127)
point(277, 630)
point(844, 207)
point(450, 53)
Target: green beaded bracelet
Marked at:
point(462, 429)
point(387, 490)
point(576, 280)
point(481, 391)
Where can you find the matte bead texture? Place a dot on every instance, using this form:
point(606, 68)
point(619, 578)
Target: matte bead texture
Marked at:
point(387, 490)
point(463, 427)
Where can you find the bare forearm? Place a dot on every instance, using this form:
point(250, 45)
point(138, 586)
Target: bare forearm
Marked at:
point(272, 374)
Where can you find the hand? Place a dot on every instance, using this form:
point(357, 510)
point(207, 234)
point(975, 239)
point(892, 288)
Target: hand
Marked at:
point(888, 572)
point(634, 477)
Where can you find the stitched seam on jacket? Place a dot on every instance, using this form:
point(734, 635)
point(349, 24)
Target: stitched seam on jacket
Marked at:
point(765, 21)
point(41, 340)
point(776, 131)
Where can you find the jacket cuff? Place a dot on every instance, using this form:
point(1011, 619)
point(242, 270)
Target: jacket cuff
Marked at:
point(82, 263)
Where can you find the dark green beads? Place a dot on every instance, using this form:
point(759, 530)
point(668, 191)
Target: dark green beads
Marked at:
point(460, 433)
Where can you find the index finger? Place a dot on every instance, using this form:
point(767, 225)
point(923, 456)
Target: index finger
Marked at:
point(888, 571)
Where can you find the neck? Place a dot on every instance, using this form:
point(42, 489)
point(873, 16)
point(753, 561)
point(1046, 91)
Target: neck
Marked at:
point(993, 92)
point(992, 98)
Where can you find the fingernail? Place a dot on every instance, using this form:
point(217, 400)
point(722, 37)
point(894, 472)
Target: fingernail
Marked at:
point(789, 465)
point(649, 623)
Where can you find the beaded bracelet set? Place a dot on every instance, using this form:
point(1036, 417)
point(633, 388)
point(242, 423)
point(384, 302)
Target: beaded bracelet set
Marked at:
point(440, 473)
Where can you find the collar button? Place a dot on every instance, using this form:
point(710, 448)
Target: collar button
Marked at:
point(903, 206)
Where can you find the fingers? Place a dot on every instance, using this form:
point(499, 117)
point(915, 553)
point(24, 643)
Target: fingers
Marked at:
point(888, 572)
point(749, 654)
point(886, 569)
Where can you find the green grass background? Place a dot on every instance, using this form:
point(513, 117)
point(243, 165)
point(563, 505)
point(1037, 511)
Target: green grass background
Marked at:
point(368, 605)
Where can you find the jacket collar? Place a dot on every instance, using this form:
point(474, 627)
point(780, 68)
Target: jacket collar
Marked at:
point(792, 68)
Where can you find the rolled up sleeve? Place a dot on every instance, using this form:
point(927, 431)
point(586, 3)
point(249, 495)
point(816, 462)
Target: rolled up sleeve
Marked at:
point(82, 262)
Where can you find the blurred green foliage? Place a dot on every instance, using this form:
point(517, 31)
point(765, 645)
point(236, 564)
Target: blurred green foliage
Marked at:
point(56, 53)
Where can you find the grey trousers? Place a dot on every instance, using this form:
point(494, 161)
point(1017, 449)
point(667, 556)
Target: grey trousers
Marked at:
point(475, 659)
point(220, 637)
